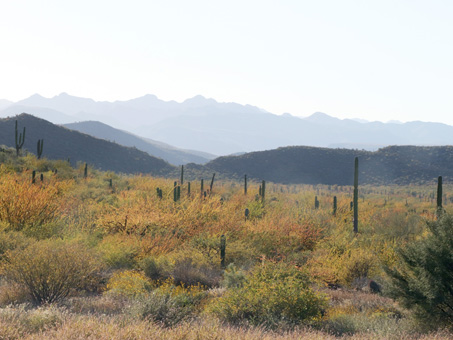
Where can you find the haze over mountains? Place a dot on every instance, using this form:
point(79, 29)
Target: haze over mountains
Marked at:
point(225, 128)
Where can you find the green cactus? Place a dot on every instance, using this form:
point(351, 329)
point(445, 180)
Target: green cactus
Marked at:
point(246, 213)
point(19, 139)
point(212, 183)
point(202, 186)
point(263, 191)
point(42, 178)
point(188, 188)
point(222, 250)
point(356, 195)
point(110, 183)
point(334, 206)
point(33, 175)
point(85, 171)
point(40, 147)
point(316, 202)
point(439, 195)
point(175, 191)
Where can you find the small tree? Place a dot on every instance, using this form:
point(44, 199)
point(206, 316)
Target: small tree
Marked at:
point(423, 278)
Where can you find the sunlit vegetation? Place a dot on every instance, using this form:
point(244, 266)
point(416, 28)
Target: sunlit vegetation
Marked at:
point(104, 257)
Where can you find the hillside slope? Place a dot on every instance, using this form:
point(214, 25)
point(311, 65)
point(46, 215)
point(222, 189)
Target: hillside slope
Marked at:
point(312, 165)
point(167, 152)
point(63, 143)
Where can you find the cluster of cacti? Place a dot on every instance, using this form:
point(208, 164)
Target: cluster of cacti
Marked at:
point(40, 147)
point(20, 140)
point(356, 195)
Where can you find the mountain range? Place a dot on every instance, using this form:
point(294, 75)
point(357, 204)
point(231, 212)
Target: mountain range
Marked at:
point(289, 165)
point(225, 128)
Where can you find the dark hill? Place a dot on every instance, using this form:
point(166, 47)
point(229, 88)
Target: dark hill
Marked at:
point(167, 152)
point(312, 165)
point(63, 143)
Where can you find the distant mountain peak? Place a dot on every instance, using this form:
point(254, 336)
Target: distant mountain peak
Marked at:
point(321, 117)
point(199, 100)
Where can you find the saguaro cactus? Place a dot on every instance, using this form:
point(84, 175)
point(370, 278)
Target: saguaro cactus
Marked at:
point(334, 206)
point(212, 183)
point(202, 186)
point(222, 250)
point(263, 191)
point(316, 202)
point(356, 195)
point(33, 177)
point(39, 148)
point(439, 195)
point(85, 171)
point(188, 188)
point(19, 139)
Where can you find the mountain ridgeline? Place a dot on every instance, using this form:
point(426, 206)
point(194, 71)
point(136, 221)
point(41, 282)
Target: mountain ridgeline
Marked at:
point(287, 165)
point(63, 143)
point(222, 129)
point(312, 165)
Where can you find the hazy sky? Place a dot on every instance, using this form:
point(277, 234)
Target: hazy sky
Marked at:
point(376, 60)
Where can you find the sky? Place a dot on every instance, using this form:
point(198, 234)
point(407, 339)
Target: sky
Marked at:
point(375, 60)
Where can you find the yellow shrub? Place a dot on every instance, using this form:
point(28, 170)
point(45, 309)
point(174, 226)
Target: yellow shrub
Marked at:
point(129, 283)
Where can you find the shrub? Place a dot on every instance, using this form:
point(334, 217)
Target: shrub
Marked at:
point(49, 270)
point(273, 293)
point(119, 252)
point(169, 304)
point(25, 205)
point(129, 283)
point(423, 278)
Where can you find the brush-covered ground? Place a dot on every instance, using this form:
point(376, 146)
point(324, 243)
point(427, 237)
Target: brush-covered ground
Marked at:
point(104, 257)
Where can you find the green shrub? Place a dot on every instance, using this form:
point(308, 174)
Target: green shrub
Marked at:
point(169, 304)
point(129, 283)
point(233, 277)
point(272, 294)
point(49, 270)
point(423, 278)
point(118, 252)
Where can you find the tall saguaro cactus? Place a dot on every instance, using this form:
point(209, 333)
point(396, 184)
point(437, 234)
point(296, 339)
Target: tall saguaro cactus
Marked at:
point(212, 183)
point(334, 213)
point(263, 191)
point(19, 139)
point(222, 250)
point(356, 195)
point(439, 195)
point(40, 146)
